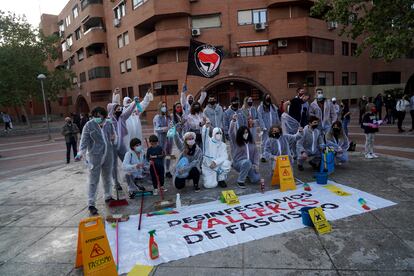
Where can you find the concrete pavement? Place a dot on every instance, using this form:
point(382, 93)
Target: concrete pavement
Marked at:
point(40, 212)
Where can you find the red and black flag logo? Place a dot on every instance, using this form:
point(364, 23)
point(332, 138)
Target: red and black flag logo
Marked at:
point(203, 60)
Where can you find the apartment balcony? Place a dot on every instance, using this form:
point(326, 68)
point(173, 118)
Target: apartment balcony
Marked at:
point(280, 3)
point(155, 10)
point(160, 40)
point(161, 72)
point(300, 27)
point(94, 35)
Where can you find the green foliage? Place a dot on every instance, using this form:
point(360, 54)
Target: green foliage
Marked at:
point(386, 28)
point(24, 52)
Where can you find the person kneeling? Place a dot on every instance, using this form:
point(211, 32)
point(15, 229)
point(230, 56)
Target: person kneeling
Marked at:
point(188, 165)
point(245, 154)
point(216, 164)
point(311, 143)
point(337, 139)
point(135, 166)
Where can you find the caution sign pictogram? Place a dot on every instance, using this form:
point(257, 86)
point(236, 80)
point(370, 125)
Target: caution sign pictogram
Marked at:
point(229, 197)
point(93, 252)
point(283, 174)
point(96, 251)
point(319, 220)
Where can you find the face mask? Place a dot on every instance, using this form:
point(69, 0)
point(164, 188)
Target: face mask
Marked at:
point(276, 135)
point(373, 110)
point(218, 137)
point(314, 126)
point(319, 97)
point(268, 100)
point(190, 142)
point(98, 120)
point(190, 101)
point(249, 103)
point(179, 110)
point(334, 102)
point(212, 102)
point(118, 113)
point(235, 106)
point(336, 130)
point(196, 108)
point(138, 148)
point(245, 136)
point(163, 109)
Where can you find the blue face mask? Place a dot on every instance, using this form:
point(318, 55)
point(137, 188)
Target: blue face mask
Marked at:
point(98, 120)
point(138, 148)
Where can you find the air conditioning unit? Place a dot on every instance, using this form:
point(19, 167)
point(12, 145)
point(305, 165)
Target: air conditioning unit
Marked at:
point(282, 43)
point(195, 32)
point(259, 26)
point(117, 22)
point(332, 25)
point(157, 85)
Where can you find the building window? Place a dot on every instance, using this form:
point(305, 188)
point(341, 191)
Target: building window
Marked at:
point(253, 51)
point(122, 67)
point(166, 88)
point(67, 20)
point(252, 17)
point(75, 11)
point(82, 77)
point(128, 65)
point(64, 46)
point(78, 33)
point(99, 72)
point(137, 3)
point(75, 80)
point(61, 29)
point(345, 48)
point(81, 54)
point(386, 78)
point(354, 78)
point(322, 46)
point(326, 78)
point(101, 96)
point(206, 21)
point(354, 47)
point(123, 40)
point(119, 11)
point(69, 41)
point(345, 78)
point(130, 92)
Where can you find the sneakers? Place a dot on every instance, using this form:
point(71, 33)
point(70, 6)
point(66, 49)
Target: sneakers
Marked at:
point(196, 188)
point(92, 210)
point(374, 155)
point(168, 175)
point(164, 189)
point(241, 185)
point(222, 184)
point(300, 168)
point(369, 156)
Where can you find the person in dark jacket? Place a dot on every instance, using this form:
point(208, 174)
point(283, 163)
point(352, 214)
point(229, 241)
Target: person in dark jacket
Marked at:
point(378, 101)
point(370, 125)
point(83, 120)
point(70, 131)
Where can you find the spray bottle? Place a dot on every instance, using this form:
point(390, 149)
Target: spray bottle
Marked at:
point(178, 202)
point(153, 246)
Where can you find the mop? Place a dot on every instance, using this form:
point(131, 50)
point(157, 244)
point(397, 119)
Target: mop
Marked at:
point(118, 202)
point(116, 219)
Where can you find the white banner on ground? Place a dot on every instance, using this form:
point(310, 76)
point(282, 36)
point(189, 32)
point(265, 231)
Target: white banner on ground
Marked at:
point(206, 227)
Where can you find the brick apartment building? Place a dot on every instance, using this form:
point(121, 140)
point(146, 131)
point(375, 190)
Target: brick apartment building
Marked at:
point(270, 46)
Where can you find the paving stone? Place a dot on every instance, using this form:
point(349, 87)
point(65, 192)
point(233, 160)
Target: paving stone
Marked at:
point(13, 269)
point(199, 271)
point(290, 272)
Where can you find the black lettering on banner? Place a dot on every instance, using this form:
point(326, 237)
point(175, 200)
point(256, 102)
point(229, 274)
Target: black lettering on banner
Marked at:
point(261, 222)
point(212, 234)
point(329, 206)
point(175, 222)
point(273, 219)
point(245, 225)
point(187, 220)
point(218, 213)
point(249, 206)
point(294, 214)
point(207, 216)
point(198, 217)
point(268, 202)
point(284, 199)
point(191, 239)
point(229, 211)
point(231, 229)
point(296, 196)
point(260, 204)
point(239, 209)
point(285, 216)
point(307, 194)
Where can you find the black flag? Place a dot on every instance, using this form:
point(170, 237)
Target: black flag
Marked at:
point(203, 60)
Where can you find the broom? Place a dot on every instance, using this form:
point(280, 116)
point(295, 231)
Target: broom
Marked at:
point(116, 219)
point(118, 202)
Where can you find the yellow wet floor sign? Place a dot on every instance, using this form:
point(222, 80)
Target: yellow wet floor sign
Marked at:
point(283, 174)
point(93, 252)
point(229, 197)
point(319, 220)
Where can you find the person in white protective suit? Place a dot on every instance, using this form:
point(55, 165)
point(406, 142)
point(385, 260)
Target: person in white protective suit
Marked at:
point(216, 164)
point(133, 123)
point(97, 142)
point(187, 100)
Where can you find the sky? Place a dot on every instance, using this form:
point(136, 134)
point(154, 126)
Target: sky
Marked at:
point(33, 8)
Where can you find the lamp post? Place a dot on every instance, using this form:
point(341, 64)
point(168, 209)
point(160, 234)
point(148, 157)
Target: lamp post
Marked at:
point(41, 77)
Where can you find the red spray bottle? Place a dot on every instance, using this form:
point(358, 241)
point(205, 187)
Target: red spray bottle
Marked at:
point(153, 246)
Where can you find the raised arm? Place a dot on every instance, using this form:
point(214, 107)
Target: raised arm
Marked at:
point(178, 141)
point(203, 96)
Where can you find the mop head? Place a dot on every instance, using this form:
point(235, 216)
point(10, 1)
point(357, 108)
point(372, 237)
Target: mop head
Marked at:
point(118, 202)
point(163, 204)
point(117, 217)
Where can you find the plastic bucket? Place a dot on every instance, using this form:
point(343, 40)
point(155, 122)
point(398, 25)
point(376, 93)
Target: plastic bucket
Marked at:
point(321, 177)
point(306, 220)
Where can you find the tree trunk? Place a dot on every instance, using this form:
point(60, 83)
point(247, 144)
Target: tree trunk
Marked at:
point(29, 124)
point(19, 118)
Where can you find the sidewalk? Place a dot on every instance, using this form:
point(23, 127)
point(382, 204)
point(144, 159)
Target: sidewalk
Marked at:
point(40, 212)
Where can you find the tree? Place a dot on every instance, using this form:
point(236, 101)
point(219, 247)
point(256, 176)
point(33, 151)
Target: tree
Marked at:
point(385, 26)
point(24, 52)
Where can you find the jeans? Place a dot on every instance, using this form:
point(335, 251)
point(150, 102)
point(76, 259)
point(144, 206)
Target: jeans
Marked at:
point(345, 123)
point(194, 174)
point(159, 171)
point(369, 143)
point(245, 169)
point(71, 144)
point(400, 116)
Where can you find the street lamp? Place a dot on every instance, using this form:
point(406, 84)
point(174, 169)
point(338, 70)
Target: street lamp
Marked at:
point(41, 77)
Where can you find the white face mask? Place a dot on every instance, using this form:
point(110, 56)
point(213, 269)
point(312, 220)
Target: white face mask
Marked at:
point(163, 109)
point(245, 136)
point(138, 148)
point(218, 137)
point(190, 142)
